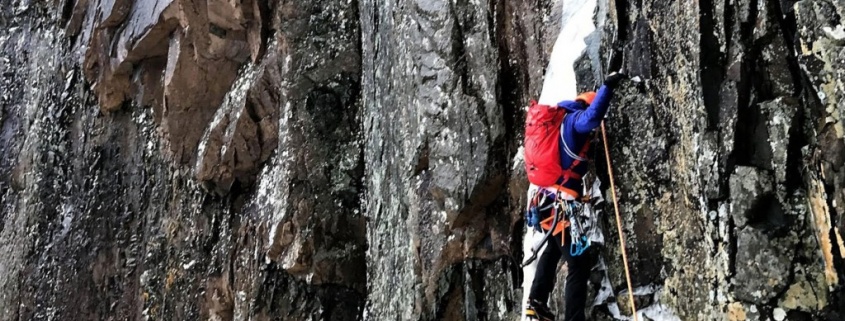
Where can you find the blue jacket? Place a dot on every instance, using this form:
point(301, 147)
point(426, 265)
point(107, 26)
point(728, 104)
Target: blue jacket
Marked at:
point(575, 131)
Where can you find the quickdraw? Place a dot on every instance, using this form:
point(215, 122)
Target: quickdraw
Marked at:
point(579, 246)
point(559, 207)
point(580, 242)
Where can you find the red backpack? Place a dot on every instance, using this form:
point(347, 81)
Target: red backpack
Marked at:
point(542, 153)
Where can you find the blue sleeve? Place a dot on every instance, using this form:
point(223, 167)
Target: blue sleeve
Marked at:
point(590, 118)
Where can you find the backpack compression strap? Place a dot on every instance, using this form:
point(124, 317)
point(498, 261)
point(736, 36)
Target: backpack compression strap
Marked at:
point(570, 172)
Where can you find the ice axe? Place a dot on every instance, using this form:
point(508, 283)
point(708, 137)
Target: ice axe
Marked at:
point(536, 248)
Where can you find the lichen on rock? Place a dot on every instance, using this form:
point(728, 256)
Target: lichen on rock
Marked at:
point(361, 160)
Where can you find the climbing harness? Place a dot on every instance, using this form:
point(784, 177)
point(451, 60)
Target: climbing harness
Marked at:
point(564, 213)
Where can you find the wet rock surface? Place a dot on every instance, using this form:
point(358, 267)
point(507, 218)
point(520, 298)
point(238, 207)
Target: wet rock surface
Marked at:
point(359, 160)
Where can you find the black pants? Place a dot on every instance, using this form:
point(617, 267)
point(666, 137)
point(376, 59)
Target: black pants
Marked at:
point(579, 267)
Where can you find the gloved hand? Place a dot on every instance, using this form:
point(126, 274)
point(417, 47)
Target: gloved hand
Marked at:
point(613, 79)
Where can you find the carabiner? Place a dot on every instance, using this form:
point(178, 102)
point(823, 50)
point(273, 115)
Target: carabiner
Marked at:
point(579, 247)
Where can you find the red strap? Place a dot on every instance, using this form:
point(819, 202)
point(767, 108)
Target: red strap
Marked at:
point(582, 154)
point(570, 172)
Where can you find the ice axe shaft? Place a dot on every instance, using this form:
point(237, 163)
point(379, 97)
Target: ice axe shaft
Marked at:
point(536, 249)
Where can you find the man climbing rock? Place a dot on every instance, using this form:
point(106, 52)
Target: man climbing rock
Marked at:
point(557, 140)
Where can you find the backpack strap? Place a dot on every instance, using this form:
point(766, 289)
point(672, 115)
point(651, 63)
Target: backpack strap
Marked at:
point(582, 157)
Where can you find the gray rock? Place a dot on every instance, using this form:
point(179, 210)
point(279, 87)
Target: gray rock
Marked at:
point(751, 190)
point(763, 267)
point(780, 119)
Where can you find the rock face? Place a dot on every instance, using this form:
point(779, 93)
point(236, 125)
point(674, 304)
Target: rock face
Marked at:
point(359, 160)
point(760, 259)
point(718, 150)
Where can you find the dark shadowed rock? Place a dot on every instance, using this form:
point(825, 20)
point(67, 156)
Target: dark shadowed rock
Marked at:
point(751, 190)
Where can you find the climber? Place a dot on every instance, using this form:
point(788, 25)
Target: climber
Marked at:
point(555, 166)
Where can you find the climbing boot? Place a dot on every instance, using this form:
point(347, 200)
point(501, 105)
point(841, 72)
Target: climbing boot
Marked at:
point(536, 310)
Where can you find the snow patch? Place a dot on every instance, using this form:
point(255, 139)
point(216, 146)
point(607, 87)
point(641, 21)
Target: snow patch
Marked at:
point(189, 265)
point(576, 24)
